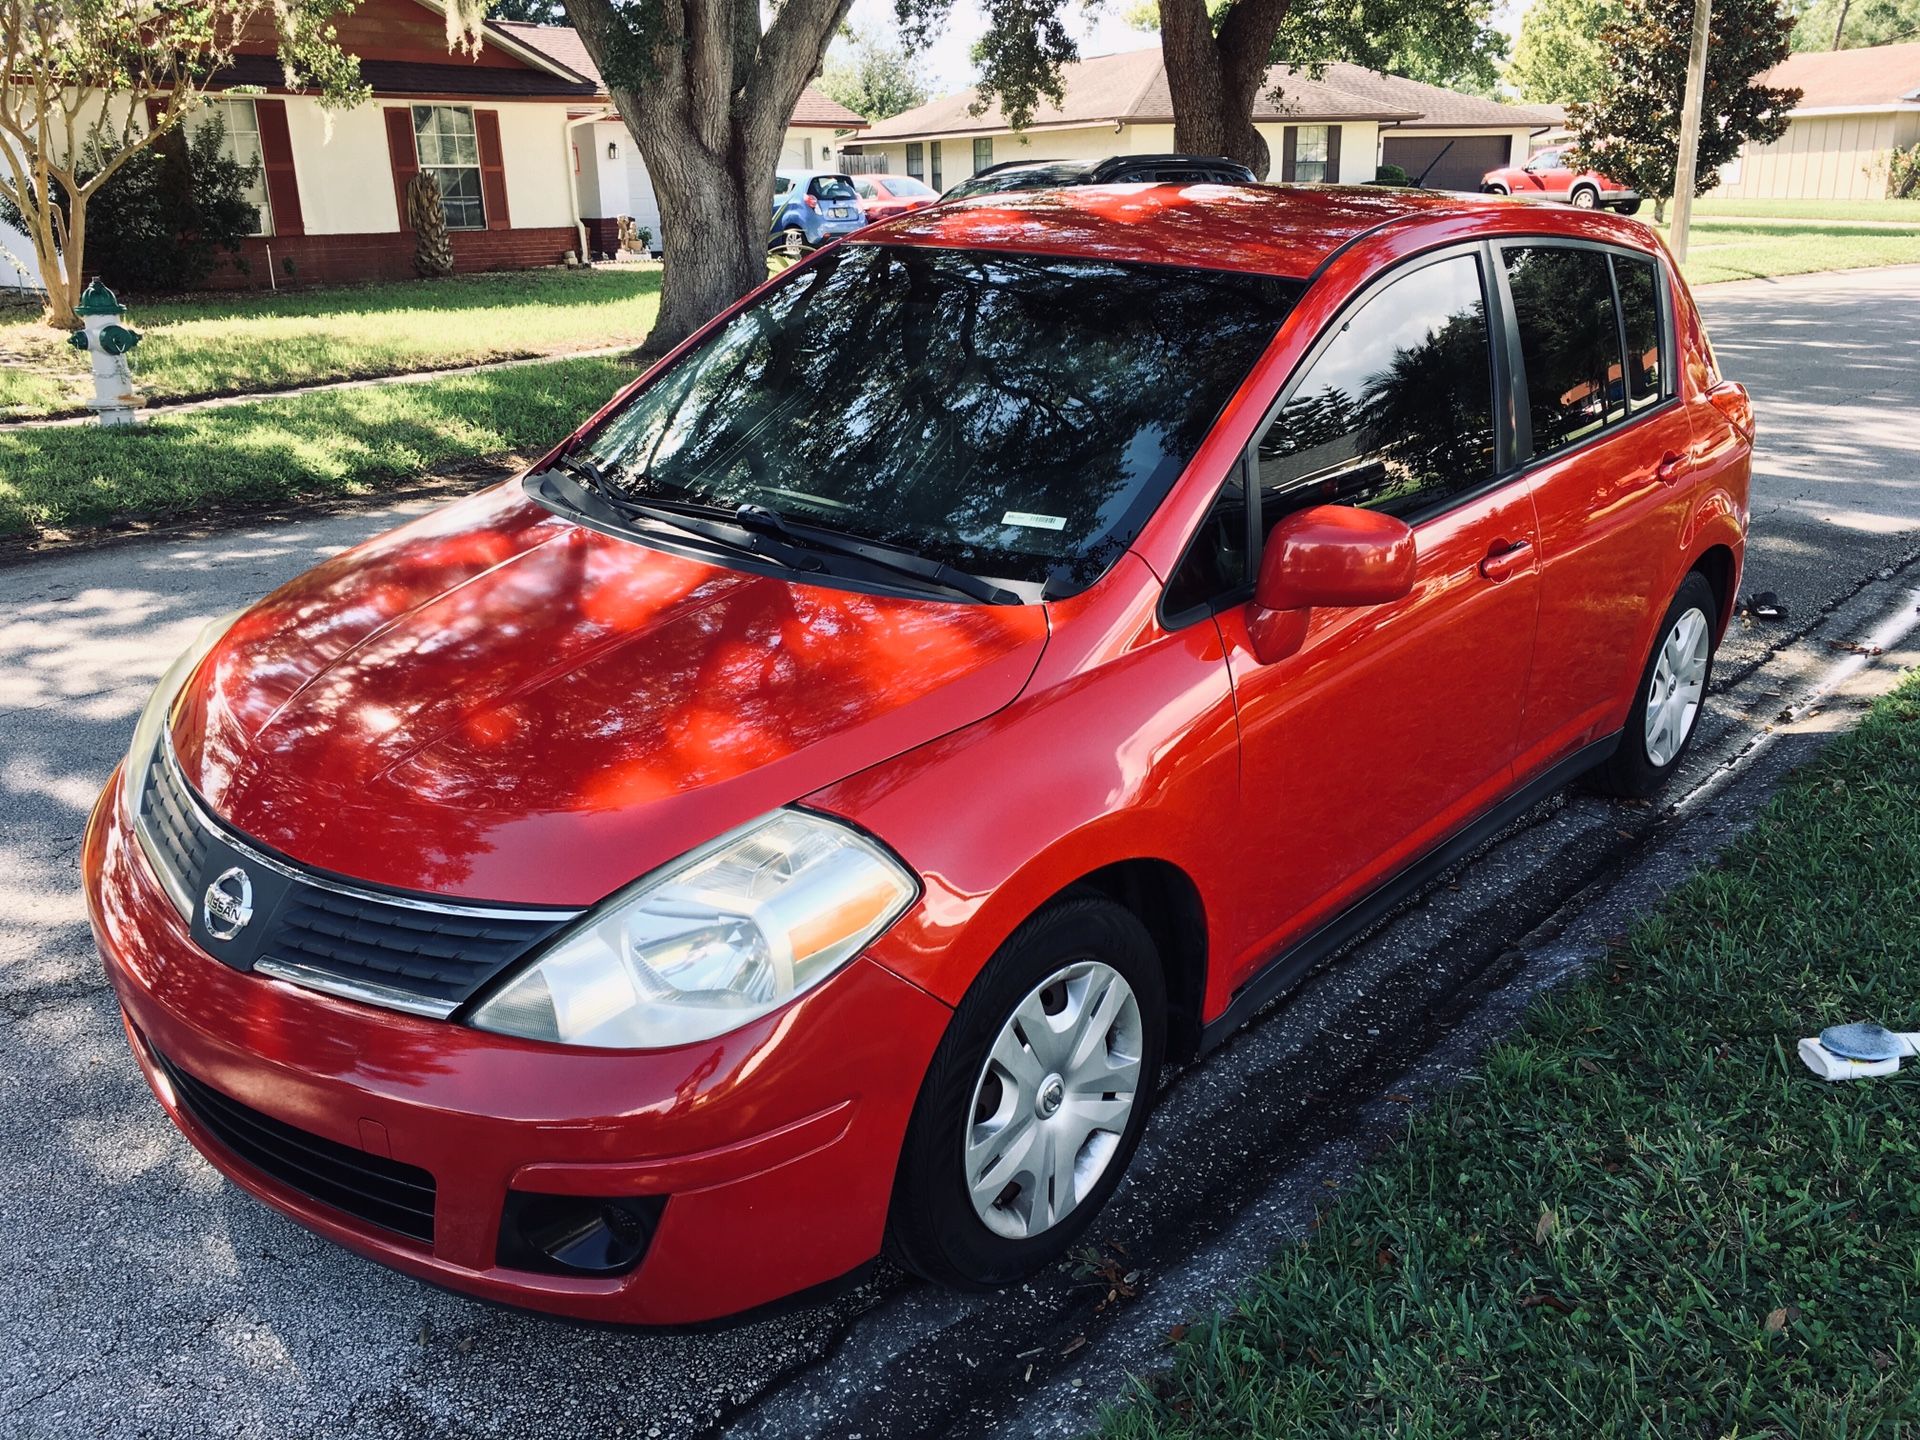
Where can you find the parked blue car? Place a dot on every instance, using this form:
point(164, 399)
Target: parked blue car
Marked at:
point(811, 207)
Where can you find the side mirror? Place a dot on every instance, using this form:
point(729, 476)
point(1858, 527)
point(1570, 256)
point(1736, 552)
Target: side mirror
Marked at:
point(1331, 556)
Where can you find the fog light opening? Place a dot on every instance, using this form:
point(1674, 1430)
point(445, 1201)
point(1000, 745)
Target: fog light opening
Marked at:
point(577, 1234)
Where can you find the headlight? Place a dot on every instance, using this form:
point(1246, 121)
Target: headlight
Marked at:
point(716, 939)
point(146, 735)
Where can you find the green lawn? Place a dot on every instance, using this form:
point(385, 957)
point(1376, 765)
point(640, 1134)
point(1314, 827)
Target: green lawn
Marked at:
point(1904, 210)
point(231, 343)
point(331, 443)
point(1727, 249)
point(1642, 1217)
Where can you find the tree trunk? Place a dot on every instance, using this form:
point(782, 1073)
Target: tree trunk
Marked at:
point(1839, 25)
point(708, 110)
point(1659, 209)
point(713, 233)
point(1214, 79)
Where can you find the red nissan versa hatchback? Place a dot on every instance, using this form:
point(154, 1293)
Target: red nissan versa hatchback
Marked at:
point(805, 813)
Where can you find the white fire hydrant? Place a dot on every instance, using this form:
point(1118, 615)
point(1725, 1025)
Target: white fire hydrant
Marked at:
point(108, 343)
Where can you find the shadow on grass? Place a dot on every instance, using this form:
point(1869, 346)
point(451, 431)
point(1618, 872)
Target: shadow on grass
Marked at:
point(344, 442)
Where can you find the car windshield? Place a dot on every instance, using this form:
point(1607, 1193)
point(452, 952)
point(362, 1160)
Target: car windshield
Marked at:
point(1014, 416)
point(906, 185)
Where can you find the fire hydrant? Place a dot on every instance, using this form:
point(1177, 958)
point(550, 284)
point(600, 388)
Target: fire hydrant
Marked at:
point(108, 343)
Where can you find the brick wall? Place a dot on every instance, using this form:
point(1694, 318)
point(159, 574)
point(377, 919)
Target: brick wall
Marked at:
point(388, 255)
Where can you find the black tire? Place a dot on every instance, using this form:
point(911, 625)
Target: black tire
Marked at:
point(1495, 189)
point(1630, 772)
point(1584, 197)
point(1628, 207)
point(933, 1229)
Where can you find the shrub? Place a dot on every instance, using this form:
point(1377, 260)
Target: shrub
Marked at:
point(164, 218)
point(1903, 174)
point(1391, 175)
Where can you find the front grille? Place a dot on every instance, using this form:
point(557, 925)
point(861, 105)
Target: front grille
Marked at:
point(436, 954)
point(399, 950)
point(369, 1187)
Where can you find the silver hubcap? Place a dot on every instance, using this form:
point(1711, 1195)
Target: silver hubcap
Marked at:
point(1585, 199)
point(1679, 680)
point(1053, 1099)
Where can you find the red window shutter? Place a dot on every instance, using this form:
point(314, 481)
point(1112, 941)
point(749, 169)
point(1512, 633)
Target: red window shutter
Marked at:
point(276, 158)
point(405, 157)
point(493, 169)
point(155, 105)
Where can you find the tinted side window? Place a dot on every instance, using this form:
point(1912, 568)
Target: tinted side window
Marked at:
point(1639, 285)
point(1397, 413)
point(1569, 341)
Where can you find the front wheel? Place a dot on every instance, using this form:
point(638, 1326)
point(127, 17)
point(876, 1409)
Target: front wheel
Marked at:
point(1035, 1100)
point(1673, 688)
point(1585, 198)
point(1495, 189)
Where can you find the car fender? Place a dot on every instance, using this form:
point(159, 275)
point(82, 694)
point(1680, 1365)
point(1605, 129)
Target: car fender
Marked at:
point(1130, 754)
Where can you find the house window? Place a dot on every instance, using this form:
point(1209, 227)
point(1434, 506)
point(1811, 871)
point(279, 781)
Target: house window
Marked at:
point(448, 150)
point(916, 161)
point(982, 153)
point(242, 145)
point(1310, 155)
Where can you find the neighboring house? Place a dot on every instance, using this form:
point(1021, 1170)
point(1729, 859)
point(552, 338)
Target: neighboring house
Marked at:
point(491, 128)
point(1858, 107)
point(18, 270)
point(1340, 126)
point(609, 172)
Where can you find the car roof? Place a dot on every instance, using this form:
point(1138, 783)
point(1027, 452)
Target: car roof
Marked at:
point(1283, 230)
point(785, 174)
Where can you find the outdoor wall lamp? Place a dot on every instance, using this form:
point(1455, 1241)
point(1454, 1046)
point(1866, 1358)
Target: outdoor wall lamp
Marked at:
point(613, 149)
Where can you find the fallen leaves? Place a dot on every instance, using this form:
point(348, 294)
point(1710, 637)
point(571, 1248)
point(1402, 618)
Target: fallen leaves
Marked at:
point(1778, 1320)
point(1552, 1302)
point(1549, 1222)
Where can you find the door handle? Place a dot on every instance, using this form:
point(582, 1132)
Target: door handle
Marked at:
point(1671, 467)
point(1505, 560)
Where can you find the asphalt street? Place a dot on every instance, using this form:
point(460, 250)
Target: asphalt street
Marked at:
point(146, 1297)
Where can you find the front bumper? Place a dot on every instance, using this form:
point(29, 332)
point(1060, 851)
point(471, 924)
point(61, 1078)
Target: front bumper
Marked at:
point(775, 1145)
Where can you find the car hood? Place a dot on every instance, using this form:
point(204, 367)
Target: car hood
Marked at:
point(497, 703)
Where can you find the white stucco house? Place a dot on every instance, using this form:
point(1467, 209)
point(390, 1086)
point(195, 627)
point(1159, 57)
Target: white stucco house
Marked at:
point(609, 172)
point(1337, 127)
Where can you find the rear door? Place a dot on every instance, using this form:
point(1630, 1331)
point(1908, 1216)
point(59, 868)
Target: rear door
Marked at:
point(1393, 725)
point(1608, 444)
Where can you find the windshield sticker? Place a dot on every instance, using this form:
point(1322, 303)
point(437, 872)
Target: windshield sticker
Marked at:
point(1030, 521)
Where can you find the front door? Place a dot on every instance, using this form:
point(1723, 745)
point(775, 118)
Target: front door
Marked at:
point(1394, 724)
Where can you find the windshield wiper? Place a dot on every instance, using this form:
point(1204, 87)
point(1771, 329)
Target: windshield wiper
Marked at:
point(595, 485)
point(769, 521)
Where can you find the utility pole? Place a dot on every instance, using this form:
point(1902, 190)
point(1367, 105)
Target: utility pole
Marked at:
point(1684, 171)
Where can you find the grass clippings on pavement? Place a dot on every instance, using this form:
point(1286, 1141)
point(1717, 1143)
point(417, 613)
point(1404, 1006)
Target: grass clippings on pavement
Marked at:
point(1641, 1216)
point(330, 443)
point(246, 343)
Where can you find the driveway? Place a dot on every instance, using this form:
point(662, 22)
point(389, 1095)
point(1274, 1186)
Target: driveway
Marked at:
point(147, 1297)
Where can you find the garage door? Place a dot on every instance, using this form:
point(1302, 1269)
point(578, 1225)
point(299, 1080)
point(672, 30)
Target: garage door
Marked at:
point(1465, 159)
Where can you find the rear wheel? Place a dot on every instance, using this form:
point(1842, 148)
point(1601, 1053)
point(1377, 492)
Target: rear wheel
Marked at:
point(1673, 689)
point(1035, 1099)
point(1585, 197)
point(793, 242)
point(1628, 207)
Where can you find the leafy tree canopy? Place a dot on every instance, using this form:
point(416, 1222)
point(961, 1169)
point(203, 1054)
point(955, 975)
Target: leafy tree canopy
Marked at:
point(1628, 132)
point(872, 76)
point(1851, 24)
point(535, 12)
point(1457, 46)
point(1558, 57)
